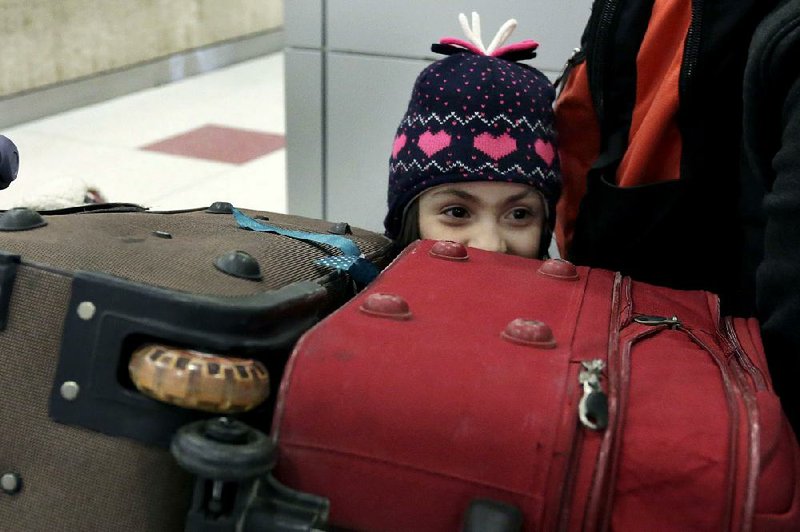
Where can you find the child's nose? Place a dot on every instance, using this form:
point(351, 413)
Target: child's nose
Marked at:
point(488, 238)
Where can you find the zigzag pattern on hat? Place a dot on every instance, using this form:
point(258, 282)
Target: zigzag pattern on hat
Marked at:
point(458, 165)
point(410, 120)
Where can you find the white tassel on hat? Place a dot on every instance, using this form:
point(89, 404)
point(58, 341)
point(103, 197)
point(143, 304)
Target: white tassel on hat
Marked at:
point(473, 34)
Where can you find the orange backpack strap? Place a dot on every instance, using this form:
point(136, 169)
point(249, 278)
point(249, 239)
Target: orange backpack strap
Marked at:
point(578, 147)
point(654, 140)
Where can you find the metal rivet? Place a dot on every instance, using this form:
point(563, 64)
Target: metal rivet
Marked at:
point(10, 483)
point(386, 306)
point(86, 310)
point(559, 269)
point(162, 234)
point(70, 390)
point(529, 332)
point(444, 249)
point(340, 228)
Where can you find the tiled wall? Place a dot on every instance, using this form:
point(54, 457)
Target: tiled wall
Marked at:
point(350, 66)
point(44, 42)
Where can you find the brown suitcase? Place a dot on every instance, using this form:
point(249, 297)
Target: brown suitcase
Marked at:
point(81, 290)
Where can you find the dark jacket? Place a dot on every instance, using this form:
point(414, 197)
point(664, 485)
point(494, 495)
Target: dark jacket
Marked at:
point(664, 213)
point(714, 203)
point(771, 194)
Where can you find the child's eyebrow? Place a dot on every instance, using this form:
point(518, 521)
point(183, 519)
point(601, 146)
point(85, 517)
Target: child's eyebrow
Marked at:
point(455, 192)
point(463, 194)
point(522, 195)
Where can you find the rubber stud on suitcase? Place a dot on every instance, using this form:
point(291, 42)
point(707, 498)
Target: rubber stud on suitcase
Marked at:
point(220, 207)
point(239, 264)
point(200, 381)
point(21, 219)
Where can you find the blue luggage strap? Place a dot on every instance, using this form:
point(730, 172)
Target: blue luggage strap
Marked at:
point(352, 261)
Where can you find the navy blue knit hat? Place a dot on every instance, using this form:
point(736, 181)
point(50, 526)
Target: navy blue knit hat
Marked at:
point(476, 115)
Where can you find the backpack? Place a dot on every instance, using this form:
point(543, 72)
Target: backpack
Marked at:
point(649, 120)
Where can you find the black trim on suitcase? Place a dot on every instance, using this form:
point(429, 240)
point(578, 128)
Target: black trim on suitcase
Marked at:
point(108, 317)
point(8, 272)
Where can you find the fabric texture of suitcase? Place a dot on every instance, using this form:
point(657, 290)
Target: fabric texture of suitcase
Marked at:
point(461, 375)
point(81, 448)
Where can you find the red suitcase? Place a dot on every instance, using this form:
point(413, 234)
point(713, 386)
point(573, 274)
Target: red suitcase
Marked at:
point(462, 375)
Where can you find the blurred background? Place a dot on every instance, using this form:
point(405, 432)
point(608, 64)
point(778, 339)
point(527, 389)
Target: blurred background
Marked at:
point(280, 106)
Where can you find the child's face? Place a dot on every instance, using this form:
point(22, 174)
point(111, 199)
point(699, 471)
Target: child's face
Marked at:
point(503, 217)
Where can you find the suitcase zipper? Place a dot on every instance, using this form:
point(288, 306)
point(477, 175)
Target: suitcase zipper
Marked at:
point(733, 376)
point(691, 48)
point(599, 31)
point(732, 341)
point(585, 453)
point(584, 420)
point(593, 405)
point(731, 382)
point(751, 381)
point(601, 494)
point(653, 321)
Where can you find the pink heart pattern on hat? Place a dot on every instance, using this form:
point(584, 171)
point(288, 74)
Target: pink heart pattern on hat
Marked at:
point(399, 142)
point(431, 144)
point(495, 147)
point(544, 150)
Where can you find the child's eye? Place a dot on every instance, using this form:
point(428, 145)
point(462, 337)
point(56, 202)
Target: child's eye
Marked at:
point(456, 212)
point(520, 214)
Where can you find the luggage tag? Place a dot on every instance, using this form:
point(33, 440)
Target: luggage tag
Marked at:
point(352, 261)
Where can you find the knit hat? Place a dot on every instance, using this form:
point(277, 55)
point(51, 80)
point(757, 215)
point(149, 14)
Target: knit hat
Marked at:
point(476, 115)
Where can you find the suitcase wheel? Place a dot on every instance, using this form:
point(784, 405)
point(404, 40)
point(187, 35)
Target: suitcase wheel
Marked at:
point(200, 381)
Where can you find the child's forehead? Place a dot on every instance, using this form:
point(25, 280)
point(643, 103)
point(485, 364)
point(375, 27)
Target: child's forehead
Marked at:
point(483, 190)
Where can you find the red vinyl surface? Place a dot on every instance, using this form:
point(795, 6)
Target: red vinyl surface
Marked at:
point(402, 422)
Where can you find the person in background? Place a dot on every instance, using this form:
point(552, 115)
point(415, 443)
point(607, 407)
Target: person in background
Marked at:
point(654, 127)
point(9, 162)
point(771, 195)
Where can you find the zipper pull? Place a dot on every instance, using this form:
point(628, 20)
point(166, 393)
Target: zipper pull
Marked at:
point(593, 406)
point(654, 321)
point(577, 56)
